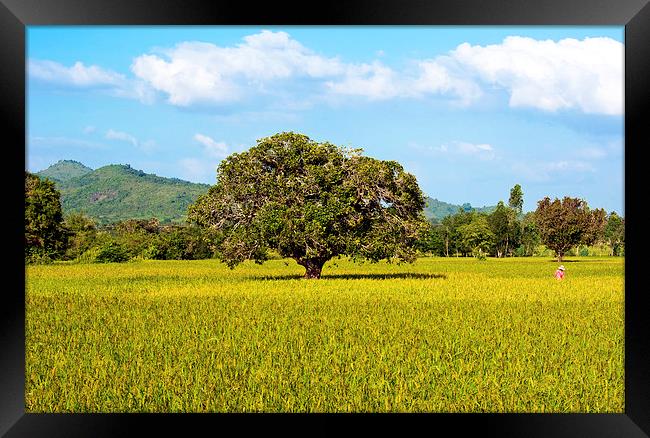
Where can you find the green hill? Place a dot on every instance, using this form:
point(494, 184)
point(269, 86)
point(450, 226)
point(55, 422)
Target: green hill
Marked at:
point(64, 170)
point(119, 192)
point(436, 210)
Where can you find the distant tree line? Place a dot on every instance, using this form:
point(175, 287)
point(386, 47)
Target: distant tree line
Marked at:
point(561, 226)
point(76, 237)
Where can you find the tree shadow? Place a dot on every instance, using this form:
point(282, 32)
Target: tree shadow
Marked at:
point(378, 276)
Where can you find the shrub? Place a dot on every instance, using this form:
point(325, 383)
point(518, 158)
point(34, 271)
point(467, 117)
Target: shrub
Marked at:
point(38, 258)
point(112, 252)
point(88, 256)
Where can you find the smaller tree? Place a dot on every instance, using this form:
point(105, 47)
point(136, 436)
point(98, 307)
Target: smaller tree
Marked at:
point(503, 224)
point(82, 234)
point(563, 224)
point(45, 235)
point(432, 239)
point(476, 236)
point(516, 200)
point(615, 233)
point(529, 235)
point(450, 234)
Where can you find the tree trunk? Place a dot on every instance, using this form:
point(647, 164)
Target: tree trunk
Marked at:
point(313, 267)
point(559, 257)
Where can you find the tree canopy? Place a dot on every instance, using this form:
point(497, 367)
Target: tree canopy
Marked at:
point(45, 235)
point(516, 200)
point(311, 201)
point(565, 223)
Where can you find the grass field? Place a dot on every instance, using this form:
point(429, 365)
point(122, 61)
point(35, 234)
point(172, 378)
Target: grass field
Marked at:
point(441, 335)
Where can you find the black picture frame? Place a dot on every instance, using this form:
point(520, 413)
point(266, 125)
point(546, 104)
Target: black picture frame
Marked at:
point(15, 15)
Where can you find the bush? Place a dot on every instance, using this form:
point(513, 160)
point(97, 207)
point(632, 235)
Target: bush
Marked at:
point(88, 256)
point(112, 252)
point(38, 258)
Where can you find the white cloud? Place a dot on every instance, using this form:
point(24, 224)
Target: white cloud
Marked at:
point(89, 129)
point(213, 148)
point(198, 72)
point(376, 81)
point(569, 74)
point(195, 72)
point(80, 76)
point(586, 75)
point(147, 145)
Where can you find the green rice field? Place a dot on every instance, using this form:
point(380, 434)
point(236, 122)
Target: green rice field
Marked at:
point(440, 335)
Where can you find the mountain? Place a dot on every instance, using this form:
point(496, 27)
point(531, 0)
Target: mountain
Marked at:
point(436, 210)
point(119, 192)
point(64, 170)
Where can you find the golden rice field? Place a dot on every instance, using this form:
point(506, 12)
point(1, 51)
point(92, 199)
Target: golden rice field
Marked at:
point(441, 335)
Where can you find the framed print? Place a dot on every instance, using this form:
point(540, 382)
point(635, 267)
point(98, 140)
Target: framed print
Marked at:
point(365, 208)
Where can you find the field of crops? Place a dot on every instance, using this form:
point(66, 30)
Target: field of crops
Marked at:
point(441, 335)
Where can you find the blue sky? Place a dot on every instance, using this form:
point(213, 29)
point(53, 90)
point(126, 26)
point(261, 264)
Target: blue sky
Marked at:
point(470, 111)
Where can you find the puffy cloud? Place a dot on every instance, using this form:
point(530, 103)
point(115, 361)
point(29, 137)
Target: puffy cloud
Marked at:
point(569, 74)
point(203, 73)
point(199, 72)
point(586, 75)
point(212, 148)
point(80, 76)
point(376, 81)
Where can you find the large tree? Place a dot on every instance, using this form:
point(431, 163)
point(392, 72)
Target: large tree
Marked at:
point(45, 234)
point(563, 224)
point(311, 201)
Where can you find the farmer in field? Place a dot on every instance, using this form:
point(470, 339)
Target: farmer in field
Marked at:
point(559, 274)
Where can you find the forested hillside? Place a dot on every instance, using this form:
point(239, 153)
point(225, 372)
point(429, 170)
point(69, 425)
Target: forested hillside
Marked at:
point(118, 192)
